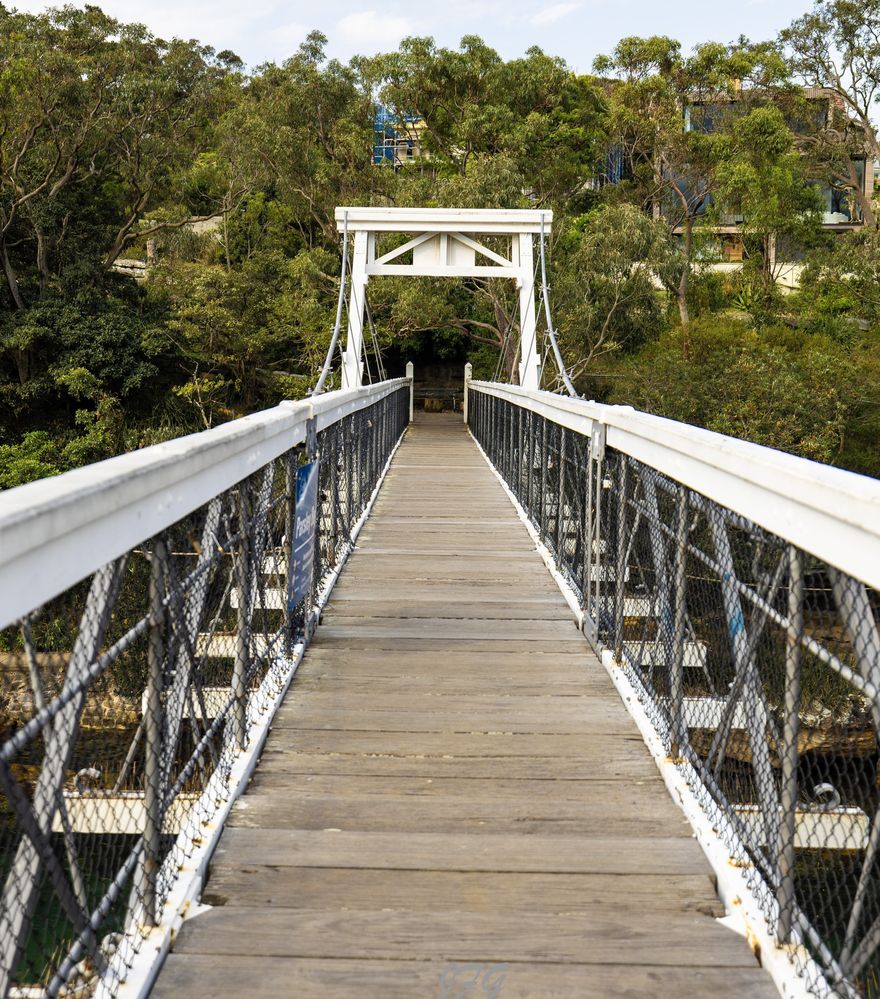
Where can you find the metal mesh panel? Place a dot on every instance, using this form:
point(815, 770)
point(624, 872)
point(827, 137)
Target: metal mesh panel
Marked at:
point(757, 663)
point(125, 701)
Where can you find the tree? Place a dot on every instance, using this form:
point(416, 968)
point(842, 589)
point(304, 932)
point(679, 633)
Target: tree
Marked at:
point(248, 338)
point(98, 123)
point(836, 46)
point(605, 298)
point(521, 133)
point(761, 177)
point(775, 386)
point(668, 111)
point(95, 118)
point(301, 135)
point(533, 114)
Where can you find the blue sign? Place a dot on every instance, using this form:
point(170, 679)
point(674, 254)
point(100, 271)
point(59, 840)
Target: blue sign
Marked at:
point(305, 526)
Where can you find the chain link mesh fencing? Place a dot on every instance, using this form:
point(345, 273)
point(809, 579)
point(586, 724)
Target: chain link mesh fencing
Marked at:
point(125, 701)
point(757, 663)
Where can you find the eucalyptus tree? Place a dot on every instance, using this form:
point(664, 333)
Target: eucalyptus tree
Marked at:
point(605, 293)
point(96, 119)
point(762, 177)
point(99, 122)
point(668, 112)
point(494, 133)
point(836, 46)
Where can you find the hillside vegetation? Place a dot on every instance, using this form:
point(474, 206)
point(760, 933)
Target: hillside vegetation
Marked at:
point(115, 144)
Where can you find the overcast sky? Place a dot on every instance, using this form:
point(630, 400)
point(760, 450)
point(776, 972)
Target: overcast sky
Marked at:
point(263, 30)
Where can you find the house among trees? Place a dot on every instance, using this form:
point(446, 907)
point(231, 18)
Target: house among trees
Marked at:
point(844, 183)
point(690, 191)
point(396, 138)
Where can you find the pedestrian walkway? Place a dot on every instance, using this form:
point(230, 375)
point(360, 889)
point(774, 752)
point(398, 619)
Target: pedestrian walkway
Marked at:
point(453, 795)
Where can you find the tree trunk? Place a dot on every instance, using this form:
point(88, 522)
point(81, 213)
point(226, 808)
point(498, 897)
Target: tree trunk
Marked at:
point(682, 290)
point(511, 359)
point(768, 263)
point(22, 365)
point(42, 260)
point(11, 279)
point(863, 200)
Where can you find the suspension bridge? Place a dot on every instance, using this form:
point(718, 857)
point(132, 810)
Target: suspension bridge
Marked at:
point(548, 698)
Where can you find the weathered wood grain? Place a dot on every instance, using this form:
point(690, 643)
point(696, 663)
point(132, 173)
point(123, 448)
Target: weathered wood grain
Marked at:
point(425, 851)
point(456, 891)
point(612, 935)
point(620, 764)
point(188, 975)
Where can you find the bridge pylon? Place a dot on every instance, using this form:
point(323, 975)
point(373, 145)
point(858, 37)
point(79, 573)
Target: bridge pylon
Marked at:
point(444, 242)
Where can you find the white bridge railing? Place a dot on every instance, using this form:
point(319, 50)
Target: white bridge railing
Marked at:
point(733, 593)
point(153, 610)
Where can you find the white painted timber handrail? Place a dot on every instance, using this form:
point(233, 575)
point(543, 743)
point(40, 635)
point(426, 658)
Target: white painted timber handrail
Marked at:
point(56, 531)
point(826, 511)
point(481, 220)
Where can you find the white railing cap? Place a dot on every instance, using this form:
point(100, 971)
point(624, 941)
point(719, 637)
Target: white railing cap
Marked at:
point(481, 220)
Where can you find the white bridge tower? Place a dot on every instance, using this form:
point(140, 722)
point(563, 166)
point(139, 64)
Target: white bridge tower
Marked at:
point(445, 242)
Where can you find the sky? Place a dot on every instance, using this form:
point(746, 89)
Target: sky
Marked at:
point(269, 30)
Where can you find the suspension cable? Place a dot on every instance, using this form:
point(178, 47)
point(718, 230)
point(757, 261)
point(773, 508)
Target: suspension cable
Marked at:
point(374, 337)
point(560, 365)
point(331, 350)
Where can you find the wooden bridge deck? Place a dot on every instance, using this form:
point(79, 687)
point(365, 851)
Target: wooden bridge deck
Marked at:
point(453, 781)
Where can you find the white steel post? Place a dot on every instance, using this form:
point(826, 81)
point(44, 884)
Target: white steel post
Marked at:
point(468, 375)
point(409, 375)
point(352, 359)
point(529, 362)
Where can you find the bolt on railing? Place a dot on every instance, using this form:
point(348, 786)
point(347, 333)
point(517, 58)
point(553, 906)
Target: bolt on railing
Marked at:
point(754, 653)
point(131, 695)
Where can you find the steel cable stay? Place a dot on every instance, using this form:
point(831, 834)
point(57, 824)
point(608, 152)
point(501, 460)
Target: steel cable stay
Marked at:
point(354, 306)
point(374, 339)
point(551, 332)
point(334, 340)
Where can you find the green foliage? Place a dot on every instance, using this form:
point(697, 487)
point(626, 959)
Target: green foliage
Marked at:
point(36, 457)
point(762, 177)
point(116, 143)
point(776, 386)
point(604, 290)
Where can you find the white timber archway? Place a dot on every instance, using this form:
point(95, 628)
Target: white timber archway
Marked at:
point(445, 242)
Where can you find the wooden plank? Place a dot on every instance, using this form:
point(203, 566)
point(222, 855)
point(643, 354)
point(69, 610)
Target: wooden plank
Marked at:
point(423, 851)
point(367, 643)
point(612, 935)
point(584, 710)
point(581, 790)
point(612, 762)
point(438, 891)
point(453, 745)
point(570, 664)
point(363, 680)
point(187, 975)
point(356, 588)
point(464, 629)
point(341, 610)
point(427, 718)
point(615, 813)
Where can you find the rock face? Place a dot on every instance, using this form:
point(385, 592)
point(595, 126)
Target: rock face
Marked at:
point(104, 708)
